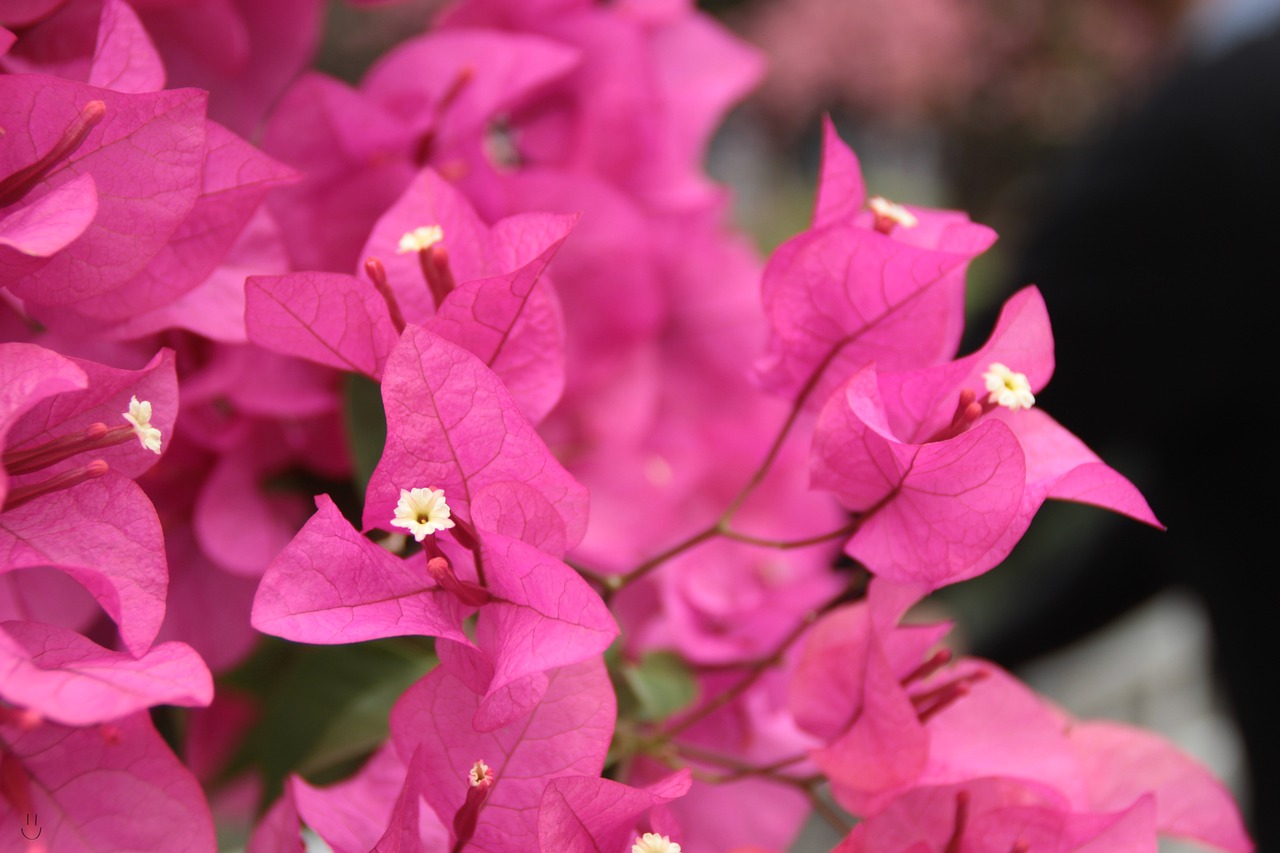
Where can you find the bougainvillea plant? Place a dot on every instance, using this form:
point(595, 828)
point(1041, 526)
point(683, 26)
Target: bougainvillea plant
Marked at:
point(423, 463)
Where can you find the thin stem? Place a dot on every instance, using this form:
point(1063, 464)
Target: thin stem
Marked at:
point(771, 456)
point(741, 769)
point(617, 582)
point(762, 665)
point(786, 544)
point(837, 821)
point(613, 583)
point(753, 675)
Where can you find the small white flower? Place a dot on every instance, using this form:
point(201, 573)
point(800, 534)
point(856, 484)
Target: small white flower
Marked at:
point(480, 773)
point(895, 213)
point(422, 512)
point(652, 842)
point(420, 238)
point(139, 415)
point(1008, 389)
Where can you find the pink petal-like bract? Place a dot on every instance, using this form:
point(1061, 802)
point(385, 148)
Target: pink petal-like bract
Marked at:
point(567, 734)
point(886, 745)
point(934, 511)
point(842, 294)
point(105, 400)
point(332, 585)
point(827, 685)
point(542, 616)
point(147, 157)
point(215, 308)
point(329, 318)
point(235, 179)
point(512, 322)
point(280, 830)
point(74, 681)
point(842, 194)
point(30, 374)
point(583, 814)
point(125, 59)
point(243, 52)
point(451, 425)
point(999, 814)
point(113, 787)
point(999, 728)
point(49, 224)
point(106, 535)
point(1122, 763)
point(380, 804)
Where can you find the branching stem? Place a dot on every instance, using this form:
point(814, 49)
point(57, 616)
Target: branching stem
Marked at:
point(760, 666)
point(611, 584)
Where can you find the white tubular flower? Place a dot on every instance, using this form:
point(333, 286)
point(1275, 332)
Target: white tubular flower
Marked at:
point(888, 212)
point(480, 774)
point(1008, 389)
point(652, 842)
point(422, 512)
point(139, 415)
point(420, 238)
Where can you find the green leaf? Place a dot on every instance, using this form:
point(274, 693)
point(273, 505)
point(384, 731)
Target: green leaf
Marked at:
point(661, 683)
point(324, 707)
point(361, 726)
point(366, 426)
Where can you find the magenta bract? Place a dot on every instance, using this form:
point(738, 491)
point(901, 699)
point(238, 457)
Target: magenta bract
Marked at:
point(452, 425)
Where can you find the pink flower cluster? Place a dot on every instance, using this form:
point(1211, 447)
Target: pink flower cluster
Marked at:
point(602, 459)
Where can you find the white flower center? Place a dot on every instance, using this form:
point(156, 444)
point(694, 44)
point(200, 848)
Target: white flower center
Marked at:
point(887, 212)
point(422, 512)
point(652, 842)
point(139, 415)
point(420, 238)
point(1008, 389)
point(480, 773)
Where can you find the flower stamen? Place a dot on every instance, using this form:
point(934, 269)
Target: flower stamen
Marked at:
point(420, 239)
point(433, 259)
point(139, 415)
point(480, 778)
point(887, 215)
point(377, 273)
point(58, 482)
point(652, 842)
point(1007, 388)
point(17, 185)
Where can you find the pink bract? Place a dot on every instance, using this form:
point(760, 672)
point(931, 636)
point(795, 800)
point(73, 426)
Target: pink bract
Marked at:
point(452, 425)
point(146, 156)
point(995, 814)
point(332, 585)
point(893, 446)
point(115, 787)
point(844, 294)
point(71, 680)
point(567, 734)
point(582, 814)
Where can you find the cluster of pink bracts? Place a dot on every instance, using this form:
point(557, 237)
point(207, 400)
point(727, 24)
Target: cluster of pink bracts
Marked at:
point(182, 310)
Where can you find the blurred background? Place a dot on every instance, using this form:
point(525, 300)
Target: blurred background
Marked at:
point(1124, 150)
